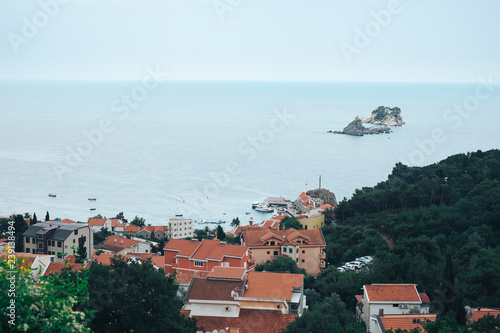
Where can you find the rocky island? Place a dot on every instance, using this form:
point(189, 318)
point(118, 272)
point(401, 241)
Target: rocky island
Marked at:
point(383, 115)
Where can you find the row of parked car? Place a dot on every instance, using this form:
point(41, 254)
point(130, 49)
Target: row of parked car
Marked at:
point(356, 264)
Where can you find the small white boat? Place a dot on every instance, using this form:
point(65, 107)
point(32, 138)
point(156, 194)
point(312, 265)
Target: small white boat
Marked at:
point(52, 195)
point(255, 204)
point(265, 209)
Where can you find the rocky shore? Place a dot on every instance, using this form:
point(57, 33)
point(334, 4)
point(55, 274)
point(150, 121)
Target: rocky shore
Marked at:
point(356, 128)
point(383, 115)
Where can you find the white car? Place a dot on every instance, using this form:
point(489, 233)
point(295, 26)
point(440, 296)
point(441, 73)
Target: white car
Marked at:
point(350, 266)
point(356, 264)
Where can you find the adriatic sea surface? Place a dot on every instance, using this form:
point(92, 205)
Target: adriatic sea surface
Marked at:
point(207, 150)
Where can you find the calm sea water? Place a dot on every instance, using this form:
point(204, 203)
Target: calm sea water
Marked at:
point(207, 150)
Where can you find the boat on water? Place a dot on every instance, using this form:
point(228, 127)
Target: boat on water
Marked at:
point(92, 208)
point(211, 222)
point(255, 204)
point(92, 199)
point(265, 209)
point(52, 195)
point(178, 215)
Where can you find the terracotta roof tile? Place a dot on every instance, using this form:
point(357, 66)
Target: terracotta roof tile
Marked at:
point(240, 229)
point(481, 312)
point(216, 290)
point(185, 247)
point(158, 261)
point(234, 273)
point(96, 222)
point(56, 267)
point(104, 258)
point(279, 217)
point(358, 298)
point(405, 322)
point(142, 256)
point(131, 228)
point(325, 207)
point(186, 277)
point(121, 241)
point(272, 285)
point(254, 237)
point(249, 321)
point(222, 249)
point(424, 297)
point(392, 293)
point(67, 221)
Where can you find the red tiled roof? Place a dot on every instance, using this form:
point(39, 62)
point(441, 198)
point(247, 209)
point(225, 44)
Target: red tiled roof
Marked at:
point(131, 228)
point(185, 247)
point(56, 267)
point(215, 290)
point(325, 207)
point(272, 285)
point(481, 312)
point(253, 237)
point(270, 224)
point(308, 205)
point(158, 261)
point(240, 229)
point(206, 249)
point(300, 217)
point(121, 241)
point(141, 255)
point(278, 217)
point(114, 222)
point(249, 321)
point(234, 273)
point(392, 293)
point(358, 298)
point(104, 258)
point(304, 197)
point(405, 322)
point(186, 277)
point(67, 221)
point(424, 297)
point(96, 222)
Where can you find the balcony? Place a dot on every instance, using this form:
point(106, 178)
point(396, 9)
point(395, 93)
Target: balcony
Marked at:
point(322, 264)
point(322, 255)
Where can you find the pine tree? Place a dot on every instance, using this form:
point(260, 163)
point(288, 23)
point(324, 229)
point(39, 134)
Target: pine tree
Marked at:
point(47, 217)
point(34, 219)
point(81, 252)
point(453, 301)
point(220, 233)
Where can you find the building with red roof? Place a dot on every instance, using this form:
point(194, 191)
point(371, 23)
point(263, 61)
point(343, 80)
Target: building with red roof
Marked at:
point(305, 247)
point(227, 297)
point(121, 245)
point(152, 231)
point(404, 322)
point(191, 255)
point(388, 299)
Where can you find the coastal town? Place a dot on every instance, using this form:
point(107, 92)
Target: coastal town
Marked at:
point(217, 272)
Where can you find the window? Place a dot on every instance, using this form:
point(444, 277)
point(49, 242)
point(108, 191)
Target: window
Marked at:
point(225, 264)
point(268, 252)
point(290, 250)
point(40, 245)
point(27, 250)
point(395, 305)
point(303, 260)
point(76, 231)
point(297, 251)
point(303, 251)
point(296, 259)
point(27, 240)
point(198, 263)
point(59, 244)
point(273, 243)
point(275, 253)
point(73, 241)
point(39, 236)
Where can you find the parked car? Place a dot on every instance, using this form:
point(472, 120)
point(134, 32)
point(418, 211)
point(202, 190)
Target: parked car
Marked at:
point(350, 266)
point(365, 259)
point(341, 269)
point(356, 264)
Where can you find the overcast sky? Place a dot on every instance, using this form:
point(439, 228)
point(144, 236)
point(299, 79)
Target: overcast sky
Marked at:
point(313, 40)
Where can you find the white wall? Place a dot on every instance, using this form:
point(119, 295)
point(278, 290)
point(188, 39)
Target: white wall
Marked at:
point(217, 310)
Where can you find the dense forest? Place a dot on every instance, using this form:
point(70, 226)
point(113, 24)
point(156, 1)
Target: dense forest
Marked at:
point(410, 223)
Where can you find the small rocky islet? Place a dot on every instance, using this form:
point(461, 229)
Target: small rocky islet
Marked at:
point(383, 115)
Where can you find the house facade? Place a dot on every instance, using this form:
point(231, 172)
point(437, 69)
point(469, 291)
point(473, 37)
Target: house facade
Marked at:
point(226, 291)
point(305, 247)
point(387, 299)
point(149, 232)
point(58, 239)
point(191, 255)
point(180, 228)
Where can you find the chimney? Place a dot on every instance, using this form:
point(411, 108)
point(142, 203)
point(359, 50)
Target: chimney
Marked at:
point(115, 240)
point(381, 312)
point(121, 241)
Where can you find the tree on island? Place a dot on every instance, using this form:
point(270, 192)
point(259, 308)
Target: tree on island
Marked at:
point(235, 222)
point(221, 235)
point(47, 217)
point(289, 223)
point(138, 221)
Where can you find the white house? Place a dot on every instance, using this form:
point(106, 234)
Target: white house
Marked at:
point(387, 299)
